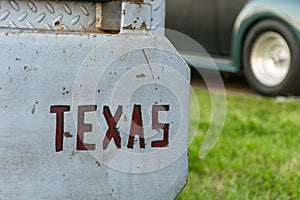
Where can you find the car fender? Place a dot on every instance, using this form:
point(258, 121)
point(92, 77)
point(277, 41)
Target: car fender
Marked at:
point(256, 10)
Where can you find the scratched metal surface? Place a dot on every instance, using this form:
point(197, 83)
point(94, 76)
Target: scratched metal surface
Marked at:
point(38, 71)
point(158, 15)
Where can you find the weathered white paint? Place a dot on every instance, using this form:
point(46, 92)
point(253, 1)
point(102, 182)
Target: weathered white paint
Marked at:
point(38, 71)
point(41, 70)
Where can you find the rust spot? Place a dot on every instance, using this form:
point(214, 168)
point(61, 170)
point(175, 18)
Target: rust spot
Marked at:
point(66, 92)
point(98, 163)
point(128, 27)
point(56, 23)
point(28, 69)
point(144, 25)
point(34, 107)
point(141, 76)
point(68, 135)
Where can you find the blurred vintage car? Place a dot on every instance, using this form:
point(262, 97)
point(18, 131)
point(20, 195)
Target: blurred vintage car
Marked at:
point(259, 38)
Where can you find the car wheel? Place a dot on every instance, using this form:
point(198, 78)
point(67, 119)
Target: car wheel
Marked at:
point(271, 59)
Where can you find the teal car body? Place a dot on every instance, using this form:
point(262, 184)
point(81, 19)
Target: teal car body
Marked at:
point(287, 12)
point(257, 38)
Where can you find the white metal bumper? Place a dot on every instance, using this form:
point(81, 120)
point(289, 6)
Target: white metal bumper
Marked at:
point(87, 115)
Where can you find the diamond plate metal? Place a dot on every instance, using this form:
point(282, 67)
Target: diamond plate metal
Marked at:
point(51, 15)
point(65, 15)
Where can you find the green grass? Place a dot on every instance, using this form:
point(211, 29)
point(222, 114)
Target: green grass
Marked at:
point(257, 155)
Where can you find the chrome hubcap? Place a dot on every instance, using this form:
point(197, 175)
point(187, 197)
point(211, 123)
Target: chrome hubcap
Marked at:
point(270, 59)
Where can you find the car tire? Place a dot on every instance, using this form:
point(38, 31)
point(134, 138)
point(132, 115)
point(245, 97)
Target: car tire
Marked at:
point(271, 59)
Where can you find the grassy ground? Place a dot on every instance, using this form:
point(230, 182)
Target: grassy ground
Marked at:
point(257, 156)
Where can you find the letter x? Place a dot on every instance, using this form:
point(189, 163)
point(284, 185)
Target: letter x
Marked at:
point(112, 131)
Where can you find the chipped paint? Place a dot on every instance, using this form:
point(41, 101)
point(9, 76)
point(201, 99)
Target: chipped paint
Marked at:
point(52, 133)
point(141, 76)
point(136, 17)
point(29, 68)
